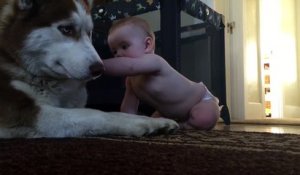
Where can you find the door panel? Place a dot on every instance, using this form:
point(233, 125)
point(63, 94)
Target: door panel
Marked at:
point(254, 97)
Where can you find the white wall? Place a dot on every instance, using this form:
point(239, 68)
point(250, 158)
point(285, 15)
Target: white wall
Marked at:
point(291, 80)
point(297, 6)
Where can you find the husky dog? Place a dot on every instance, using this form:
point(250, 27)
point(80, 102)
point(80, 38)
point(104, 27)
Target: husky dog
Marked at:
point(46, 58)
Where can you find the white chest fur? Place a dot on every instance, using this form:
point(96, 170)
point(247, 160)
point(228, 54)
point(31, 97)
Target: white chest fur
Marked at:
point(60, 93)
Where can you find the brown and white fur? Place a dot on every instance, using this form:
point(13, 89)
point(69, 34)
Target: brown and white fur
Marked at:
point(46, 57)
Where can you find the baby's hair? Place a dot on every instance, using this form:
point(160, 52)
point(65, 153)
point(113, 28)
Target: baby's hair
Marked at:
point(136, 21)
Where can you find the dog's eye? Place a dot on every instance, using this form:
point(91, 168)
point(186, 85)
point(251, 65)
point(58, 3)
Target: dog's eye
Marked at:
point(67, 30)
point(90, 34)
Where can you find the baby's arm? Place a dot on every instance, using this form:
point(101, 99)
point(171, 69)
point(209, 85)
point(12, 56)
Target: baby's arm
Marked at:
point(130, 102)
point(124, 66)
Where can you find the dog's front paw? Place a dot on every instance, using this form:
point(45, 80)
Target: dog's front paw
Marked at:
point(158, 126)
point(137, 125)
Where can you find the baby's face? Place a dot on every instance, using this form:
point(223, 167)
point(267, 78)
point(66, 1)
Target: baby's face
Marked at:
point(127, 41)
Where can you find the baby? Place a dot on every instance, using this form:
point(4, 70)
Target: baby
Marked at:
point(151, 79)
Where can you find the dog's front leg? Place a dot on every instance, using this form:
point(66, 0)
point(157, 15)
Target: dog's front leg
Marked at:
point(62, 122)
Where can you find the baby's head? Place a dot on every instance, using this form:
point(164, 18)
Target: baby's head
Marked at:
point(131, 37)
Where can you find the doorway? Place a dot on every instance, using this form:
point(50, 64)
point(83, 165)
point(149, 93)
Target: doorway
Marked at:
point(263, 57)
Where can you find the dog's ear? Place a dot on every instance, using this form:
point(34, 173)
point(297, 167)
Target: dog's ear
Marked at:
point(90, 2)
point(25, 4)
point(87, 4)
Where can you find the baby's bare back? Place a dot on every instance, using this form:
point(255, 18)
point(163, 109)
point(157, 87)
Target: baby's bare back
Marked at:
point(169, 92)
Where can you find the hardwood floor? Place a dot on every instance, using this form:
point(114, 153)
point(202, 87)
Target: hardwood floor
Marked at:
point(252, 127)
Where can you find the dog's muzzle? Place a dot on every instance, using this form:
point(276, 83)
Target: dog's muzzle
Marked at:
point(96, 70)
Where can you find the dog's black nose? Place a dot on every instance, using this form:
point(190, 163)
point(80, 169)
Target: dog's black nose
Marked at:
point(96, 69)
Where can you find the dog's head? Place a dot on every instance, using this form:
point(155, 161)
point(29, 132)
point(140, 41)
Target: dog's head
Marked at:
point(50, 38)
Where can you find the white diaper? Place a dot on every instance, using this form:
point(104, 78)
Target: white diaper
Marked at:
point(209, 96)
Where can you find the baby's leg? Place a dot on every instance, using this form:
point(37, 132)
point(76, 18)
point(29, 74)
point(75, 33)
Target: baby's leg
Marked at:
point(202, 116)
point(194, 120)
point(156, 114)
point(186, 125)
